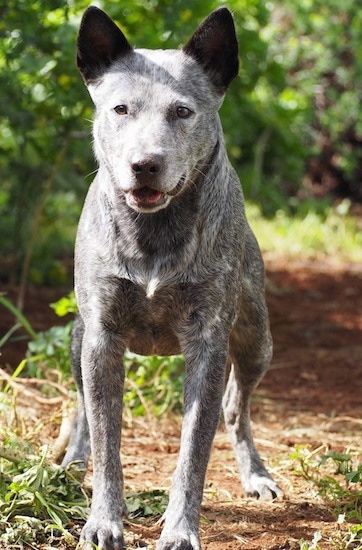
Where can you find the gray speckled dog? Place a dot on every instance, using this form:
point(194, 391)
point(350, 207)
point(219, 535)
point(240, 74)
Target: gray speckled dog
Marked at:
point(165, 263)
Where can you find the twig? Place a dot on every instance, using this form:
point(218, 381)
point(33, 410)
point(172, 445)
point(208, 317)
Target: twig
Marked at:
point(12, 456)
point(61, 443)
point(31, 393)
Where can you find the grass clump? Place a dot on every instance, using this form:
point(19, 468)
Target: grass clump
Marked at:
point(37, 497)
point(311, 230)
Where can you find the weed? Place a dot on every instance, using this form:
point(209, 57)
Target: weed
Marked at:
point(66, 304)
point(314, 546)
point(305, 461)
point(146, 503)
point(346, 536)
point(344, 488)
point(22, 321)
point(153, 384)
point(36, 496)
point(341, 488)
point(40, 501)
point(50, 349)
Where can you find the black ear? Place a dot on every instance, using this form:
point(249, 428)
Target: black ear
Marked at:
point(99, 43)
point(214, 45)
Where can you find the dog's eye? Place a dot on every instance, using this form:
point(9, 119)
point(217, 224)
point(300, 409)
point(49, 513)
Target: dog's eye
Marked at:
point(121, 109)
point(183, 112)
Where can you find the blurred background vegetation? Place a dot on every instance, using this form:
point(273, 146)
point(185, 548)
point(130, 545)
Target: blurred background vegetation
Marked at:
point(292, 118)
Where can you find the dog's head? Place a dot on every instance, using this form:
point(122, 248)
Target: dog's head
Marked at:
point(156, 123)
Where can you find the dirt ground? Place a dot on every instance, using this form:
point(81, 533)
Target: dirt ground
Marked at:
point(312, 395)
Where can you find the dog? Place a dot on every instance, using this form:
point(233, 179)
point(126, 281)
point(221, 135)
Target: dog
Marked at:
point(165, 263)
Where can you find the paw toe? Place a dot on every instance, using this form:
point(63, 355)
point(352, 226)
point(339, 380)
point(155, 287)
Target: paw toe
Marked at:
point(263, 488)
point(103, 537)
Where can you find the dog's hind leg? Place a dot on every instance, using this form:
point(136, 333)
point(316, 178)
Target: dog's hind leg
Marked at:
point(250, 351)
point(79, 444)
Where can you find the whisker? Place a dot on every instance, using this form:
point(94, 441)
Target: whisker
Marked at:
point(91, 173)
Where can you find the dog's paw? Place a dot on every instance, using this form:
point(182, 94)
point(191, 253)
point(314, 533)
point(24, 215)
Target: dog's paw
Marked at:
point(178, 543)
point(262, 487)
point(105, 534)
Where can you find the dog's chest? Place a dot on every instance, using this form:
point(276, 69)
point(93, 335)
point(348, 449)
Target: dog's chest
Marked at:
point(152, 323)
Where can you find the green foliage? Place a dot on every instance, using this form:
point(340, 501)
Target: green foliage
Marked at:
point(341, 489)
point(153, 385)
point(41, 133)
point(22, 321)
point(36, 496)
point(344, 488)
point(295, 101)
point(319, 43)
point(65, 305)
point(39, 500)
point(344, 537)
point(146, 503)
point(50, 349)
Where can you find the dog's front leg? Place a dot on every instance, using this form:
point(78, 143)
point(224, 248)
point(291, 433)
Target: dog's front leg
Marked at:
point(103, 379)
point(205, 363)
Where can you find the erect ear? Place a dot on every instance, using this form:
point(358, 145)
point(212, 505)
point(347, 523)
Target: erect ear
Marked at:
point(99, 43)
point(214, 45)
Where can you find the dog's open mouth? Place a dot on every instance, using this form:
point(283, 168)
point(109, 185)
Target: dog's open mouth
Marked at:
point(149, 199)
point(147, 196)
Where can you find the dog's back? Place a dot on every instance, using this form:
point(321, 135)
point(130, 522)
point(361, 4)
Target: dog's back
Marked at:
point(165, 263)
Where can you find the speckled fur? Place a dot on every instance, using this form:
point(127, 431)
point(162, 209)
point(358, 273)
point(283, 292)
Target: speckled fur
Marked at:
point(179, 273)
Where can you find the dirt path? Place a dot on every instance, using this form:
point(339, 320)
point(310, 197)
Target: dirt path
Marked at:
point(312, 395)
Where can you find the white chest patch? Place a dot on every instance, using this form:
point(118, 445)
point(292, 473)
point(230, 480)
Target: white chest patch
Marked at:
point(151, 287)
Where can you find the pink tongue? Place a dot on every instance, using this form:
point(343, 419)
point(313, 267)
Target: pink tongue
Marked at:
point(146, 195)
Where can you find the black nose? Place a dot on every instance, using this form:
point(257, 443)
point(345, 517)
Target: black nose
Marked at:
point(146, 170)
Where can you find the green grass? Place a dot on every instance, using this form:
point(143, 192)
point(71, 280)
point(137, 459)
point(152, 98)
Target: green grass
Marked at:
point(313, 231)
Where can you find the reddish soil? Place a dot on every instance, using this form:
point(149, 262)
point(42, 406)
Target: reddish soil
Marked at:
point(312, 395)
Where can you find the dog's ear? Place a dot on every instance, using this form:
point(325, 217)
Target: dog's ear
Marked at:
point(214, 45)
point(99, 43)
